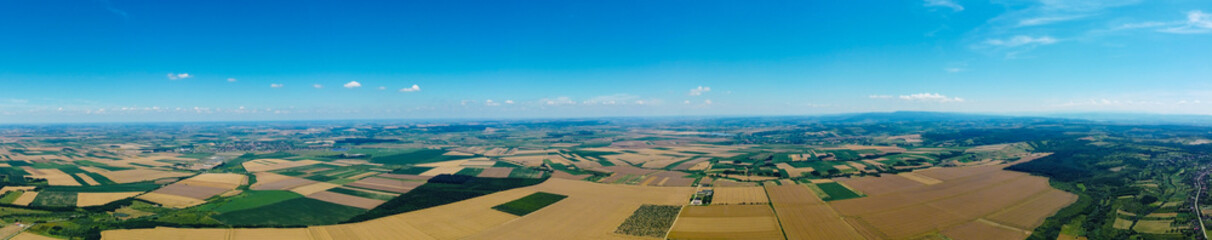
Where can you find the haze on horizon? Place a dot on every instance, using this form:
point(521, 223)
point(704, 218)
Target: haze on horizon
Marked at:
point(116, 60)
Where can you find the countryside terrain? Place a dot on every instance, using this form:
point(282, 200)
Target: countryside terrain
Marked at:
point(902, 175)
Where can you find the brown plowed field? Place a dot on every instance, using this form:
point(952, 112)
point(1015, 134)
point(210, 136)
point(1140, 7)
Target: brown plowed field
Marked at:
point(981, 230)
point(495, 172)
point(1033, 212)
point(347, 200)
point(726, 222)
point(739, 195)
point(1014, 203)
point(804, 216)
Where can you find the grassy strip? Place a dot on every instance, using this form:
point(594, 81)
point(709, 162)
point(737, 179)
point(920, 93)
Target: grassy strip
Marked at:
point(529, 203)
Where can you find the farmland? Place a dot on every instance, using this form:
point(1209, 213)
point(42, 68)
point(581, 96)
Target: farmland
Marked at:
point(601, 181)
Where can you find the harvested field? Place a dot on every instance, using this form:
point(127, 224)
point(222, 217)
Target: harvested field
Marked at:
point(195, 192)
point(739, 195)
point(793, 171)
point(265, 165)
point(983, 230)
point(347, 200)
point(313, 188)
point(901, 208)
point(54, 177)
point(97, 199)
point(537, 160)
point(919, 178)
point(390, 185)
point(135, 175)
point(885, 149)
point(478, 163)
point(727, 222)
point(1154, 226)
point(671, 179)
point(26, 198)
point(218, 180)
point(496, 172)
point(274, 181)
point(804, 216)
point(700, 166)
point(720, 182)
point(875, 186)
point(171, 201)
point(441, 170)
point(691, 163)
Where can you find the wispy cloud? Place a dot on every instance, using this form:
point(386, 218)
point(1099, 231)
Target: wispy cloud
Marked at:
point(352, 84)
point(954, 70)
point(382, 88)
point(231, 80)
point(1045, 20)
point(921, 97)
point(275, 85)
point(557, 101)
point(177, 76)
point(944, 3)
point(930, 97)
point(699, 91)
point(1021, 40)
point(1197, 22)
point(317, 86)
point(621, 98)
point(490, 102)
point(414, 88)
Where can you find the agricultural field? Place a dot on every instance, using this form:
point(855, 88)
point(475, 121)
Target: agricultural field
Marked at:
point(727, 222)
point(623, 179)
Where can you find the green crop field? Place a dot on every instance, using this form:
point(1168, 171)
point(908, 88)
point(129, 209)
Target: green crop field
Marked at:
point(529, 203)
point(470, 171)
point(837, 192)
point(10, 196)
point(55, 199)
point(253, 199)
point(293, 212)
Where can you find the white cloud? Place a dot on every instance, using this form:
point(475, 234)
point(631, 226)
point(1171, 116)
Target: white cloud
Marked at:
point(508, 101)
point(275, 85)
point(317, 85)
point(176, 76)
point(930, 97)
point(944, 3)
point(1197, 22)
point(558, 101)
point(1021, 40)
point(489, 102)
point(382, 88)
point(621, 98)
point(352, 84)
point(699, 90)
point(414, 88)
point(231, 80)
point(708, 101)
point(686, 102)
point(1036, 21)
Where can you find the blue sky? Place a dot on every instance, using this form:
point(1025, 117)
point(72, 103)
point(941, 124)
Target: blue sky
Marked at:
point(118, 60)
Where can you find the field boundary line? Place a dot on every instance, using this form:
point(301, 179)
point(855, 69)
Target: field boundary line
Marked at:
point(675, 221)
point(770, 203)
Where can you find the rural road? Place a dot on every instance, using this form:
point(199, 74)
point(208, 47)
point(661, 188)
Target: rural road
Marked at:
point(1199, 188)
